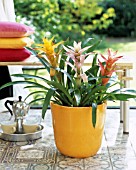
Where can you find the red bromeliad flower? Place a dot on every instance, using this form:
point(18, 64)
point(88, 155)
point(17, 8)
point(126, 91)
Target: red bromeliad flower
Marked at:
point(109, 67)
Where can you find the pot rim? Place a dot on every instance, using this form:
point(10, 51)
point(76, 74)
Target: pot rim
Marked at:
point(75, 107)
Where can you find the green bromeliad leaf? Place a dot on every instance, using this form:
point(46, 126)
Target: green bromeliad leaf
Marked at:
point(47, 101)
point(41, 59)
point(94, 60)
point(94, 110)
point(122, 97)
point(23, 82)
point(93, 93)
point(35, 100)
point(32, 93)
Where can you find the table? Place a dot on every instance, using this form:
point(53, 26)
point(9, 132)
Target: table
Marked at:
point(117, 150)
point(123, 68)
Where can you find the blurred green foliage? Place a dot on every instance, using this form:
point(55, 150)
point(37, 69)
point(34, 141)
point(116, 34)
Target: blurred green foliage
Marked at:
point(76, 19)
point(124, 24)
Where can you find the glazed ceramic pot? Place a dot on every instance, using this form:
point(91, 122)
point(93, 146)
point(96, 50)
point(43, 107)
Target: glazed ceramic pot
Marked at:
point(74, 133)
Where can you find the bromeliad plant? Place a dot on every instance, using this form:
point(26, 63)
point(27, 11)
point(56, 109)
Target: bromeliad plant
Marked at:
point(69, 84)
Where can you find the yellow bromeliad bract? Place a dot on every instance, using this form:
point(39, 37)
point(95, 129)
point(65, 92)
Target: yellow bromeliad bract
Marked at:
point(48, 47)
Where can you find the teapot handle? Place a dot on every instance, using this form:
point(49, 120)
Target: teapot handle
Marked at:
point(6, 105)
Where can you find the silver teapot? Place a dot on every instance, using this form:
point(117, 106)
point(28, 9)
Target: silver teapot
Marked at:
point(20, 110)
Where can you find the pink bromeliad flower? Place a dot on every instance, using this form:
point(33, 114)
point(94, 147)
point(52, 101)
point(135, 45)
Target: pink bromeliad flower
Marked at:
point(76, 53)
point(109, 67)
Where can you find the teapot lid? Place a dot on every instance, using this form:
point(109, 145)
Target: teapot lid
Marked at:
point(20, 98)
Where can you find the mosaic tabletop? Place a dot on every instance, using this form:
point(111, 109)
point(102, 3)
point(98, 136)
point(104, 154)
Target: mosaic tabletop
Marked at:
point(116, 151)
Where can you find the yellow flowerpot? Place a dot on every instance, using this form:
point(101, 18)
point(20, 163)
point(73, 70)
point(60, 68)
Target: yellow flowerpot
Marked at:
point(74, 133)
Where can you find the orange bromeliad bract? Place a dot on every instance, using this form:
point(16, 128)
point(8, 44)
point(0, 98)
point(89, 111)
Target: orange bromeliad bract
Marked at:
point(109, 67)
